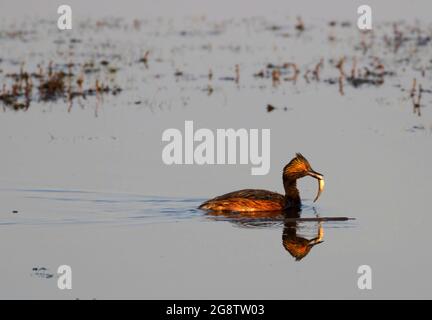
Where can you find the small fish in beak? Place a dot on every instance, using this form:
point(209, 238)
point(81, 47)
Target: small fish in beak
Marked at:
point(320, 188)
point(320, 179)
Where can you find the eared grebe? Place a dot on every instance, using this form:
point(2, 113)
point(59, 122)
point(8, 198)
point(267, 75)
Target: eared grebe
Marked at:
point(248, 200)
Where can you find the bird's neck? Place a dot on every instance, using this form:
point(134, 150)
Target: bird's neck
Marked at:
point(292, 196)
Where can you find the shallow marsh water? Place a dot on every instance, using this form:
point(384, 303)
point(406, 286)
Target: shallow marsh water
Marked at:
point(88, 187)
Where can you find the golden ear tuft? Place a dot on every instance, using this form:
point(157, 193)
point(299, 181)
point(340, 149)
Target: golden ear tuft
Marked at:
point(297, 164)
point(299, 156)
point(299, 160)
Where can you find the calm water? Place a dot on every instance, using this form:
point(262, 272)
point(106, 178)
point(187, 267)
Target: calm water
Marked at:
point(84, 184)
point(53, 219)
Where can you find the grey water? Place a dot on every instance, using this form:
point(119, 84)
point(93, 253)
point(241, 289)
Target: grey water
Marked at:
point(84, 184)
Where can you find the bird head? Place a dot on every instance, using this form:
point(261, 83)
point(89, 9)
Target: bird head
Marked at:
point(298, 168)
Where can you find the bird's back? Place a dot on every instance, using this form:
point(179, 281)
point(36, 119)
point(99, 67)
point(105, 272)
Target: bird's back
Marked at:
point(246, 200)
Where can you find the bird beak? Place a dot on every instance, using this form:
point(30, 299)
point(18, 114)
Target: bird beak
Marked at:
point(320, 179)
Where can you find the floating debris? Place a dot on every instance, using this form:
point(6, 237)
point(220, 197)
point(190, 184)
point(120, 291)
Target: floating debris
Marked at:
point(270, 108)
point(54, 84)
point(144, 59)
point(94, 75)
point(300, 24)
point(41, 272)
point(237, 73)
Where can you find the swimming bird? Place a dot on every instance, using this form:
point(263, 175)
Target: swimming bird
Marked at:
point(256, 200)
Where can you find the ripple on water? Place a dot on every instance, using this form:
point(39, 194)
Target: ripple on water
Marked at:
point(44, 206)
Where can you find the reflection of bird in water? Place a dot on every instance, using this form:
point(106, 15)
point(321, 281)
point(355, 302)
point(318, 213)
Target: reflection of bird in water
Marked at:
point(295, 244)
point(252, 200)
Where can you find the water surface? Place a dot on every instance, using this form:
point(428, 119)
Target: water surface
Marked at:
point(85, 185)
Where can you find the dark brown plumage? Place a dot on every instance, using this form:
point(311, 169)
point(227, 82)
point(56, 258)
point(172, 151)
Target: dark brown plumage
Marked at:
point(255, 200)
